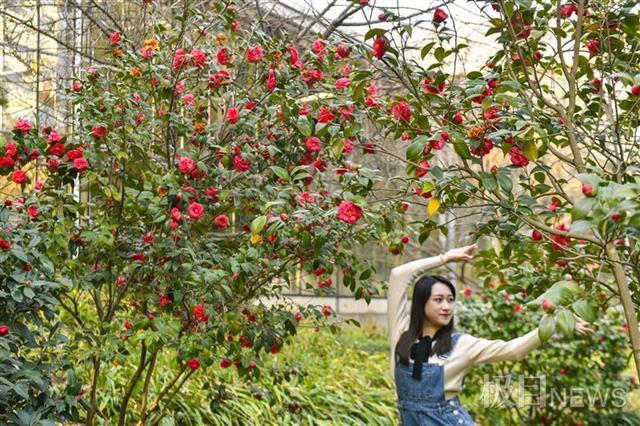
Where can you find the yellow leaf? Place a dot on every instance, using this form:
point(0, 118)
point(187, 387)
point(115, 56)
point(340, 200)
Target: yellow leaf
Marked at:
point(433, 206)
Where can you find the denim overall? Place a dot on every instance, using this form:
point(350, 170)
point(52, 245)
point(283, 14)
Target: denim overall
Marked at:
point(422, 403)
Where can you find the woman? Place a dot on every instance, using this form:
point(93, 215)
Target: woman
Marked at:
point(428, 359)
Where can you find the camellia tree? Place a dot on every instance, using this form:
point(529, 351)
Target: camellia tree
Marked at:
point(200, 175)
point(544, 137)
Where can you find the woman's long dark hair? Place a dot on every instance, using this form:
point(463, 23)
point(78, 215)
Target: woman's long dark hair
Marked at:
point(421, 294)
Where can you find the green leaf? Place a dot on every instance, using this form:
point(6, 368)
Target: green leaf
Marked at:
point(353, 130)
point(584, 310)
point(582, 225)
point(426, 49)
point(504, 180)
point(546, 328)
point(530, 150)
point(462, 150)
point(280, 172)
point(582, 208)
point(414, 151)
point(374, 32)
point(258, 224)
point(566, 322)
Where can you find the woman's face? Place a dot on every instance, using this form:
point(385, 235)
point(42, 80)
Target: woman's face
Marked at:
point(440, 306)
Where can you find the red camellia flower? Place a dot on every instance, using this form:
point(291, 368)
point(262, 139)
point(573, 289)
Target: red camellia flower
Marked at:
point(199, 315)
point(349, 212)
point(99, 131)
point(401, 111)
point(327, 310)
point(517, 157)
point(54, 136)
point(593, 46)
point(81, 164)
point(439, 15)
point(325, 116)
point(517, 308)
point(57, 149)
point(6, 162)
point(254, 55)
point(221, 221)
point(241, 164)
point(5, 245)
point(313, 143)
point(635, 90)
point(271, 80)
point(217, 79)
point(176, 214)
point(484, 147)
point(164, 300)
point(457, 118)
point(422, 169)
point(19, 177)
point(588, 190)
point(193, 363)
point(560, 241)
point(427, 86)
point(379, 47)
point(467, 292)
point(33, 211)
point(23, 125)
point(114, 38)
point(342, 50)
point(186, 165)
point(195, 210)
point(567, 10)
point(223, 57)
point(4, 330)
point(74, 153)
point(232, 115)
point(138, 257)
point(225, 363)
point(76, 86)
point(536, 236)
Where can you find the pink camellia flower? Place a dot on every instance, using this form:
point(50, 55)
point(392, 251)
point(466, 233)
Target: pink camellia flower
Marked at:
point(270, 81)
point(19, 177)
point(179, 59)
point(379, 48)
point(593, 46)
point(254, 54)
point(76, 86)
point(189, 99)
point(198, 58)
point(193, 363)
point(176, 214)
point(325, 116)
point(349, 212)
point(313, 143)
point(10, 150)
point(99, 131)
point(33, 212)
point(343, 83)
point(81, 164)
point(342, 50)
point(555, 203)
point(467, 292)
point(186, 165)
point(23, 125)
point(221, 221)
point(241, 164)
point(54, 136)
point(232, 115)
point(401, 111)
point(38, 186)
point(561, 241)
point(196, 211)
point(439, 15)
point(114, 38)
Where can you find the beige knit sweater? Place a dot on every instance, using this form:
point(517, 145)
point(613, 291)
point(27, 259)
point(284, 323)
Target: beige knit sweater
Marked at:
point(469, 350)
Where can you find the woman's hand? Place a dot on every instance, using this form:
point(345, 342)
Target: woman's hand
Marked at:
point(460, 254)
